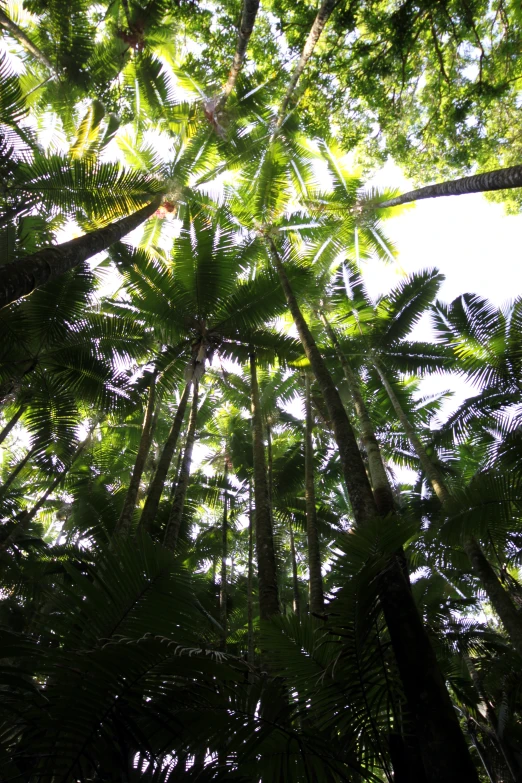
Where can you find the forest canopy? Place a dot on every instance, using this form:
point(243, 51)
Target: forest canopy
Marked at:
point(237, 539)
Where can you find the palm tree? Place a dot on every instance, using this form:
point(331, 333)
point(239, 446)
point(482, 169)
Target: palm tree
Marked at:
point(383, 343)
point(267, 574)
point(500, 179)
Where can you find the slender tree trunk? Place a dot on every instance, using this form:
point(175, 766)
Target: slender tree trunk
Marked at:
point(441, 743)
point(26, 42)
point(178, 504)
point(295, 580)
point(14, 473)
point(270, 466)
point(266, 563)
point(499, 179)
point(354, 472)
point(125, 521)
point(246, 26)
point(500, 598)
point(11, 424)
point(442, 746)
point(224, 555)
point(21, 277)
point(158, 482)
point(314, 552)
point(250, 580)
point(323, 14)
point(382, 491)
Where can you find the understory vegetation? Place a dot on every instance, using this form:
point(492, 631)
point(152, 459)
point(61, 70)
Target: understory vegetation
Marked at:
point(238, 540)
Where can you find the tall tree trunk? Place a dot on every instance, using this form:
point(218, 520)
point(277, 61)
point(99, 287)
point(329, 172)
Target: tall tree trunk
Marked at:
point(178, 504)
point(442, 746)
point(323, 14)
point(125, 521)
point(224, 554)
point(499, 179)
point(499, 597)
point(246, 26)
point(266, 562)
point(26, 42)
point(382, 491)
point(11, 424)
point(295, 580)
point(250, 580)
point(314, 553)
point(21, 277)
point(354, 472)
point(152, 502)
point(14, 473)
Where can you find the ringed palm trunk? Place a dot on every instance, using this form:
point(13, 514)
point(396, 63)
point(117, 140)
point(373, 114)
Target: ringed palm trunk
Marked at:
point(323, 14)
point(354, 472)
point(124, 522)
point(150, 508)
point(314, 552)
point(266, 562)
point(382, 491)
point(250, 580)
point(246, 26)
point(224, 554)
point(442, 746)
point(178, 503)
point(26, 42)
point(499, 179)
point(21, 277)
point(295, 580)
point(500, 599)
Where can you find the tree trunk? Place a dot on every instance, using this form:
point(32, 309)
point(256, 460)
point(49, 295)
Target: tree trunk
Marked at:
point(250, 581)
point(246, 26)
point(178, 504)
point(125, 521)
point(499, 598)
point(266, 563)
point(354, 472)
point(382, 491)
point(314, 553)
point(499, 179)
point(323, 14)
point(295, 580)
point(224, 555)
point(442, 746)
point(441, 743)
point(21, 277)
point(11, 424)
point(158, 482)
point(26, 42)
point(12, 476)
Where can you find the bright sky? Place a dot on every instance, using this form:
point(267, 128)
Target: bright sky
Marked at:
point(469, 239)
